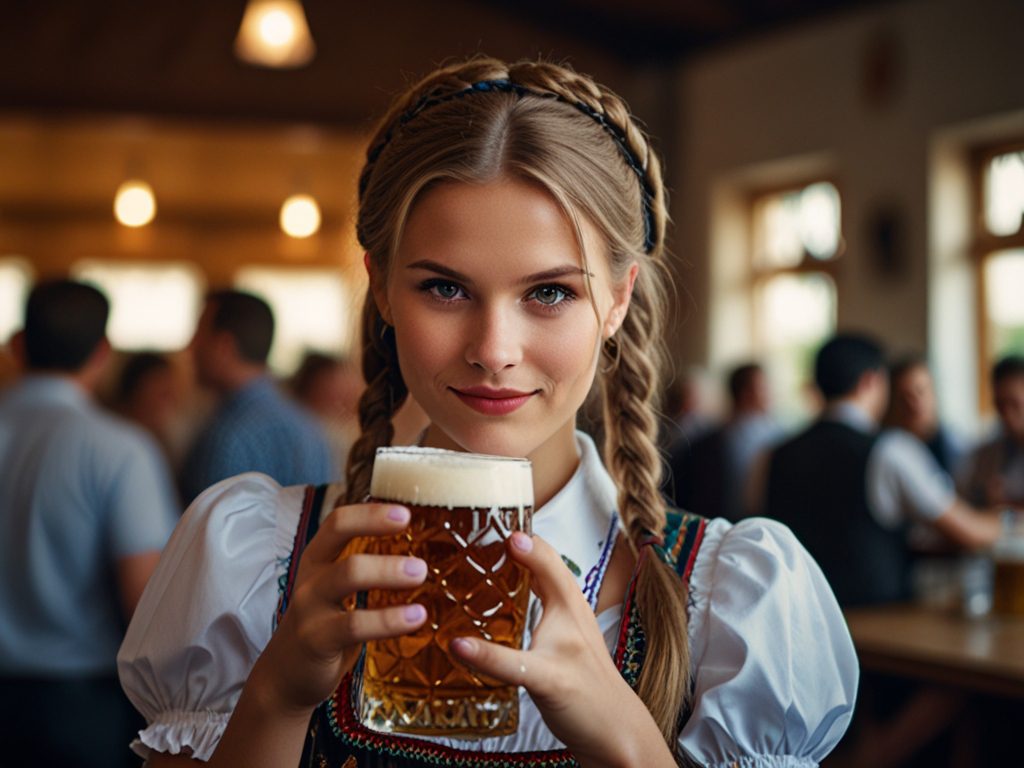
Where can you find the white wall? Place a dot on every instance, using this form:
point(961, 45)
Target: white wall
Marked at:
point(776, 107)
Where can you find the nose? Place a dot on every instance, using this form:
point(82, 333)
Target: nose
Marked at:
point(494, 340)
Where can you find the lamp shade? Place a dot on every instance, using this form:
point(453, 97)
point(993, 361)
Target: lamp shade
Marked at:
point(274, 33)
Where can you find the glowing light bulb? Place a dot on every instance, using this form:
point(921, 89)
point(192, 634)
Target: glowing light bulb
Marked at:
point(274, 33)
point(277, 28)
point(134, 203)
point(300, 216)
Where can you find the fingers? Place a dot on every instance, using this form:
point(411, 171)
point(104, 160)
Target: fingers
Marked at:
point(551, 580)
point(357, 627)
point(358, 573)
point(510, 665)
point(349, 522)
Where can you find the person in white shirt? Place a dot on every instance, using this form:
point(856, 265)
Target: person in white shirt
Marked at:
point(513, 217)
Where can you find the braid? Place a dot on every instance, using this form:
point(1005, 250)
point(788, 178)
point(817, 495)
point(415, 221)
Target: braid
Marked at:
point(385, 392)
point(631, 388)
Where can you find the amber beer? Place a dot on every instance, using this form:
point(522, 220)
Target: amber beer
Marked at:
point(464, 506)
point(1008, 581)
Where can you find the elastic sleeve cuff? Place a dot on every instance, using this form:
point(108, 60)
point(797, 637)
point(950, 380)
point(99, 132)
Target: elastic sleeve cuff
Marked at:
point(766, 761)
point(173, 733)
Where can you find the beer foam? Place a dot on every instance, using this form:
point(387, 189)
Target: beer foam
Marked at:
point(440, 478)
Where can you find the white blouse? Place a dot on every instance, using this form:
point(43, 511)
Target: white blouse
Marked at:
point(774, 668)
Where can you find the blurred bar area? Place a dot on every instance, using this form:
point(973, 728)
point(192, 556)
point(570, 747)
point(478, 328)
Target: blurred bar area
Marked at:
point(834, 167)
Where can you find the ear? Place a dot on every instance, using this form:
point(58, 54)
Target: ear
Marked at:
point(94, 366)
point(622, 294)
point(379, 289)
point(103, 352)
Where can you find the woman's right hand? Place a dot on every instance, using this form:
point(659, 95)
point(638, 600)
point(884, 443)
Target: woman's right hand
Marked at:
point(317, 640)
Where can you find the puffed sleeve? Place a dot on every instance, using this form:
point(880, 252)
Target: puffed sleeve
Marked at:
point(776, 672)
point(207, 613)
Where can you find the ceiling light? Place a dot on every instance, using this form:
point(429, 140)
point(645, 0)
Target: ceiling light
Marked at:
point(134, 203)
point(300, 216)
point(274, 33)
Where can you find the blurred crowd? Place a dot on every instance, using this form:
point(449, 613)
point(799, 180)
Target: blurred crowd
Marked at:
point(872, 485)
point(101, 452)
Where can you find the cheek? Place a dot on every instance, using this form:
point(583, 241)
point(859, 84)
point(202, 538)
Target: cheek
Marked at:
point(424, 349)
point(566, 352)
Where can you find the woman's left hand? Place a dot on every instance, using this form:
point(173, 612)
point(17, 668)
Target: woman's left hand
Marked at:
point(568, 671)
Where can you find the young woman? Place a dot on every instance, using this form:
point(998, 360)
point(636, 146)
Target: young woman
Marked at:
point(513, 218)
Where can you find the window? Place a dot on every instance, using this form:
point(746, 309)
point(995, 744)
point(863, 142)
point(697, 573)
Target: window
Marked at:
point(797, 238)
point(313, 310)
point(999, 255)
point(15, 284)
point(152, 306)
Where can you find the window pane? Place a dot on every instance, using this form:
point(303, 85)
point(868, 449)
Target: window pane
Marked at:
point(819, 220)
point(1004, 193)
point(790, 224)
point(311, 311)
point(797, 313)
point(15, 283)
point(152, 306)
point(1004, 293)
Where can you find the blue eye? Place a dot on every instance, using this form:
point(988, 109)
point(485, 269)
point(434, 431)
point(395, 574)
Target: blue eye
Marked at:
point(443, 290)
point(550, 295)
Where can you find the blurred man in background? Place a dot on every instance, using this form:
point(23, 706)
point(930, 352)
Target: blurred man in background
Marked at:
point(149, 392)
point(711, 474)
point(87, 505)
point(914, 407)
point(254, 427)
point(849, 492)
point(330, 387)
point(994, 475)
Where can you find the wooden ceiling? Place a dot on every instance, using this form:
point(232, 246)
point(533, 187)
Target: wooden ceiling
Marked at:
point(174, 57)
point(94, 91)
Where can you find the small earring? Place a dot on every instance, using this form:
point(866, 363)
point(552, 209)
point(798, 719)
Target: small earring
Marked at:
point(615, 354)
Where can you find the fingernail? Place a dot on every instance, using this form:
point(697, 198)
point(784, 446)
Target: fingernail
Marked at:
point(415, 613)
point(398, 514)
point(522, 542)
point(464, 645)
point(414, 568)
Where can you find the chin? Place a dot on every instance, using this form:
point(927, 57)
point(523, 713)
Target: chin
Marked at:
point(495, 441)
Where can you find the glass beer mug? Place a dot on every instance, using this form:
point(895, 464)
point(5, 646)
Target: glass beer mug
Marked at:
point(463, 508)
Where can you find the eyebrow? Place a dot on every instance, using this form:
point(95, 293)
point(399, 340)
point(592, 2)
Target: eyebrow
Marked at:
point(537, 277)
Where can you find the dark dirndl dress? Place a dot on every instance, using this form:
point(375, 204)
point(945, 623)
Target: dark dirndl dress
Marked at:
point(336, 738)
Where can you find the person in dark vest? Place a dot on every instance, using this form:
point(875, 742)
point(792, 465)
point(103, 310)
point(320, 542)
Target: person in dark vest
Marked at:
point(848, 492)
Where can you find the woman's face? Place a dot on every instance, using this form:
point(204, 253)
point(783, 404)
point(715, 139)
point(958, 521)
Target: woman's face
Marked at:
point(497, 335)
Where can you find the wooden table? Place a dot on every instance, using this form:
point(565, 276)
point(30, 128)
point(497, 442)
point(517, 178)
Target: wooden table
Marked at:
point(984, 655)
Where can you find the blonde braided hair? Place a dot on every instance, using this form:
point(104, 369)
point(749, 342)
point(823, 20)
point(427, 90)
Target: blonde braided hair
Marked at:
point(482, 120)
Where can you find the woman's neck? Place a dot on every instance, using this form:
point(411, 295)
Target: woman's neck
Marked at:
point(554, 461)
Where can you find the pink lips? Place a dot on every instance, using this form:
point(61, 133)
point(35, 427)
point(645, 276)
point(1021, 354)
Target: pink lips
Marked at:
point(493, 402)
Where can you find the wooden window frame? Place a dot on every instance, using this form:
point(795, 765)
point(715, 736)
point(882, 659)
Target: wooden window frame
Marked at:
point(984, 245)
point(808, 264)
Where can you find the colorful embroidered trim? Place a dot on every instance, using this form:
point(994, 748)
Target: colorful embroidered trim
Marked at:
point(346, 727)
point(592, 584)
point(287, 579)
